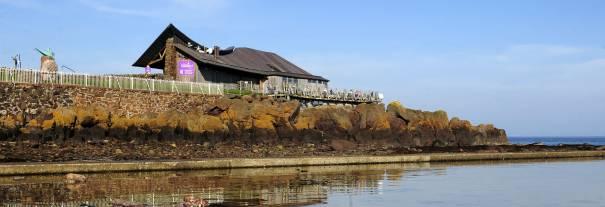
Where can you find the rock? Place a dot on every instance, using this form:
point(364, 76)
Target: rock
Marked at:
point(342, 145)
point(123, 203)
point(191, 201)
point(75, 178)
point(118, 151)
point(537, 144)
point(372, 116)
point(247, 120)
point(248, 98)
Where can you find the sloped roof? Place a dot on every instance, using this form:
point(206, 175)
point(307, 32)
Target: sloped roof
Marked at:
point(242, 58)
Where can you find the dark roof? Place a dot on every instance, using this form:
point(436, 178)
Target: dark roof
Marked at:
point(242, 58)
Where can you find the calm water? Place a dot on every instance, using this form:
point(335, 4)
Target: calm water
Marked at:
point(558, 140)
point(526, 183)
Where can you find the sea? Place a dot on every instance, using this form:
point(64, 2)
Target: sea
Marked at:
point(595, 140)
point(531, 183)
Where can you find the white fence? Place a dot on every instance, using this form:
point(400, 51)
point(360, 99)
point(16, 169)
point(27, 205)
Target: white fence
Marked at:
point(308, 92)
point(120, 82)
point(104, 81)
point(329, 94)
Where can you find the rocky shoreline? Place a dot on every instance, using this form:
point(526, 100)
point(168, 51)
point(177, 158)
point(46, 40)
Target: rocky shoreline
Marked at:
point(114, 150)
point(250, 120)
point(40, 123)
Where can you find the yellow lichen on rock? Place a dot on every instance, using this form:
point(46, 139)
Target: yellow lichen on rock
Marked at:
point(373, 116)
point(63, 116)
point(48, 124)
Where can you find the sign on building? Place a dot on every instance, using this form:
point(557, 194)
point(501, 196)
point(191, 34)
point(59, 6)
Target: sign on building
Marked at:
point(186, 67)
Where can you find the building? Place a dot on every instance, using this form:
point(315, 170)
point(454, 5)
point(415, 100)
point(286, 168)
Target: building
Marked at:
point(182, 58)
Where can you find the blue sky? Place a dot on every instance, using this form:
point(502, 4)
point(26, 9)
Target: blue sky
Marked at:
point(530, 67)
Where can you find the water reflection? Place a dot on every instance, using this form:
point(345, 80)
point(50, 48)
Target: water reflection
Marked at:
point(292, 186)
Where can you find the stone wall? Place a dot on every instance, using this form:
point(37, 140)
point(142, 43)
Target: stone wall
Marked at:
point(29, 100)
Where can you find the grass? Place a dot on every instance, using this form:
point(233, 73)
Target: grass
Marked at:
point(238, 92)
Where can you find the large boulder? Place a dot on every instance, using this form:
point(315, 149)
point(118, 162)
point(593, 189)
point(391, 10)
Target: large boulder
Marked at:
point(316, 124)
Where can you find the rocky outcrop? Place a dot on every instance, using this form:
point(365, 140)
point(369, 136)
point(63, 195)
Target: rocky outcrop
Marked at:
point(254, 120)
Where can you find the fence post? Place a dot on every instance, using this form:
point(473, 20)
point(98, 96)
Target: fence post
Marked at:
point(190, 87)
point(152, 84)
point(109, 81)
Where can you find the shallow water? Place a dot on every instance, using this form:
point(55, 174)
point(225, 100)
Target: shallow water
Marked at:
point(553, 141)
point(518, 183)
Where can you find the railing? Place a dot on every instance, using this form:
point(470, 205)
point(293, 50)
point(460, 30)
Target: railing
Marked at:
point(121, 82)
point(104, 81)
point(330, 94)
point(309, 92)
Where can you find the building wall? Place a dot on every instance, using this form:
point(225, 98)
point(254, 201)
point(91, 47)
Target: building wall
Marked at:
point(223, 75)
point(214, 74)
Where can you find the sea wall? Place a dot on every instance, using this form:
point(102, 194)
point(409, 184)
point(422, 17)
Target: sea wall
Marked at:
point(98, 167)
point(59, 114)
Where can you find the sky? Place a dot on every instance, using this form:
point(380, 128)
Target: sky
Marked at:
point(533, 68)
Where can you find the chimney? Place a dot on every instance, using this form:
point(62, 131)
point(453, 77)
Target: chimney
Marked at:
point(215, 51)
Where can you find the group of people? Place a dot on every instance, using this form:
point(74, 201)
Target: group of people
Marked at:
point(325, 93)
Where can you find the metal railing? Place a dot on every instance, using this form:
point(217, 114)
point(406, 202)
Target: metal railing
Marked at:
point(308, 92)
point(322, 93)
point(105, 81)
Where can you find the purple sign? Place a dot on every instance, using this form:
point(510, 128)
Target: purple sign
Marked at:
point(148, 69)
point(186, 67)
